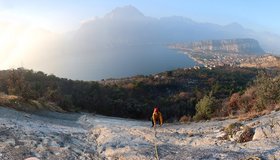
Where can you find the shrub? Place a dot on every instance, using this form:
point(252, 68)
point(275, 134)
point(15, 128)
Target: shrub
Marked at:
point(233, 104)
point(204, 108)
point(268, 91)
point(262, 95)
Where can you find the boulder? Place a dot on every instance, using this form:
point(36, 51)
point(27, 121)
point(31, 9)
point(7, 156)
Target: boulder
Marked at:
point(221, 135)
point(246, 135)
point(262, 132)
point(32, 158)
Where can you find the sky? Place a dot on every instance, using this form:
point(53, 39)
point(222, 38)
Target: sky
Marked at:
point(66, 15)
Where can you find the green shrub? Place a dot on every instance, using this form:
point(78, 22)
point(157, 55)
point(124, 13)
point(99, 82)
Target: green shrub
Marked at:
point(268, 91)
point(204, 108)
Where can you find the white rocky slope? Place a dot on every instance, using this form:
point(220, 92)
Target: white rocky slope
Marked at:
point(48, 135)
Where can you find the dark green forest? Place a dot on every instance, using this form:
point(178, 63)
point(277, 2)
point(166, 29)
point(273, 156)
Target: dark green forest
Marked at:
point(176, 92)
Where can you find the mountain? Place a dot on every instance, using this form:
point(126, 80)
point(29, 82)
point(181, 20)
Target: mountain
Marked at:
point(239, 46)
point(125, 13)
point(125, 42)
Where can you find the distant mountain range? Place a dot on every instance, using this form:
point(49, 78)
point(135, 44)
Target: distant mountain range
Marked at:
point(125, 42)
point(128, 26)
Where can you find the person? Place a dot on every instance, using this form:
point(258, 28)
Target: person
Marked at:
point(157, 116)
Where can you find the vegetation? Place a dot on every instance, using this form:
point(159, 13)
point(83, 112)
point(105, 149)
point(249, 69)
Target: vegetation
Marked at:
point(205, 108)
point(177, 93)
point(263, 95)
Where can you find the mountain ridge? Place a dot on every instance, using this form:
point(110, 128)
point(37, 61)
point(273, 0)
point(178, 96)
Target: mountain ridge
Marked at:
point(239, 46)
point(124, 12)
point(175, 25)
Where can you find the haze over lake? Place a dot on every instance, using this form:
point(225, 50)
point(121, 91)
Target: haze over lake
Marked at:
point(129, 61)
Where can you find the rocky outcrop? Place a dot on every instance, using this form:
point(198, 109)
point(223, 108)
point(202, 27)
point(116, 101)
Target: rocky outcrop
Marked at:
point(239, 46)
point(271, 129)
point(82, 136)
point(236, 132)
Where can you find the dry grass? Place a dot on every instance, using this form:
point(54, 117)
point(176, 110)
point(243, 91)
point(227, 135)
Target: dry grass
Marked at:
point(248, 116)
point(254, 114)
point(9, 100)
point(185, 119)
point(4, 97)
point(221, 118)
point(16, 102)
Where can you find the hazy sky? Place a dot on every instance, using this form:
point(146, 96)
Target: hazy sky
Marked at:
point(26, 40)
point(65, 15)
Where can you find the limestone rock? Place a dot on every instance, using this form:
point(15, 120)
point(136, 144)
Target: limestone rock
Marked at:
point(32, 158)
point(262, 132)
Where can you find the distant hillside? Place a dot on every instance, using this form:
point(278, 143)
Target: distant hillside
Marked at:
point(239, 46)
point(267, 61)
point(198, 93)
point(175, 92)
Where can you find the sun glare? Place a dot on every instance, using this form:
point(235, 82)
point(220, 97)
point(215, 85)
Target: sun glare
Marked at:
point(18, 38)
point(15, 40)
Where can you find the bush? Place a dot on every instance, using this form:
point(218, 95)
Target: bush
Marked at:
point(268, 91)
point(204, 108)
point(262, 95)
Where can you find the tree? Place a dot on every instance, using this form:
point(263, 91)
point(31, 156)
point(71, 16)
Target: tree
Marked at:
point(17, 84)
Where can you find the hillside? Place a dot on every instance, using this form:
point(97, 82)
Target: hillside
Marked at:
point(267, 61)
point(175, 92)
point(50, 135)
